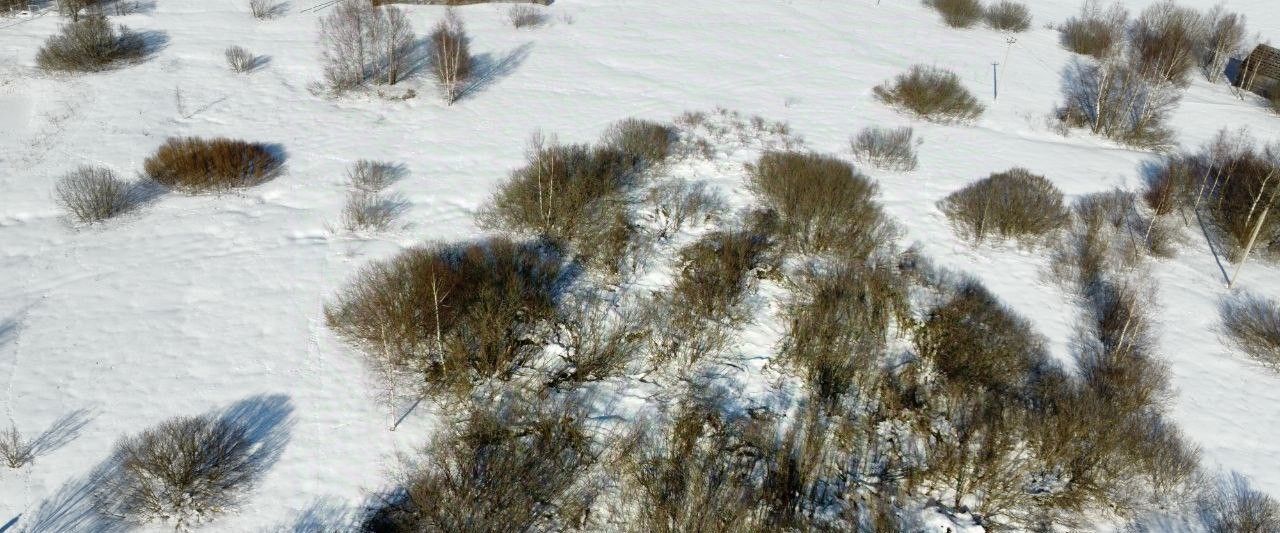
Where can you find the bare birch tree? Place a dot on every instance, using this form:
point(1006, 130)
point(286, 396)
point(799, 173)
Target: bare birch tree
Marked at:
point(362, 43)
point(450, 58)
point(1224, 37)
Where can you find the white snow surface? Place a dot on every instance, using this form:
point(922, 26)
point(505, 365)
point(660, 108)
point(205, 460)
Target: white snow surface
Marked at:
point(193, 303)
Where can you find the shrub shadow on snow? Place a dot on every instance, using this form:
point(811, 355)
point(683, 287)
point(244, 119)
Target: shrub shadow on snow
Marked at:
point(488, 69)
point(63, 430)
point(324, 515)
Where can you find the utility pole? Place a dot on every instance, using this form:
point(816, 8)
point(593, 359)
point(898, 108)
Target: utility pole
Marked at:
point(995, 82)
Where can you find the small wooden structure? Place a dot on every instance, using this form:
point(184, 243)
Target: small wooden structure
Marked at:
point(1260, 72)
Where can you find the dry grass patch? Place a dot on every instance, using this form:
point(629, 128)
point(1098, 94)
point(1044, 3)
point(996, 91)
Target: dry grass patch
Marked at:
point(931, 93)
point(1011, 205)
point(194, 164)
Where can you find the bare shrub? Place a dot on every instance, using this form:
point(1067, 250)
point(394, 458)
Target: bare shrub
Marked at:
point(1163, 42)
point(1237, 184)
point(74, 8)
point(265, 9)
point(569, 193)
point(1015, 204)
point(1252, 324)
point(840, 326)
point(1008, 16)
point(887, 149)
point(94, 194)
point(1233, 506)
point(957, 13)
point(450, 315)
point(598, 343)
point(715, 271)
point(932, 93)
point(1095, 32)
point(9, 7)
point(372, 176)
point(687, 477)
point(525, 16)
point(241, 59)
point(362, 43)
point(975, 340)
point(370, 211)
point(89, 45)
point(679, 202)
point(183, 472)
point(504, 468)
point(1116, 362)
point(1117, 101)
point(451, 57)
point(646, 141)
point(823, 204)
point(1224, 37)
point(16, 450)
point(194, 164)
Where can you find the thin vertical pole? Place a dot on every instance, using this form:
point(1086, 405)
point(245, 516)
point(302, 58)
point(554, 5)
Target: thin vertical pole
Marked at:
point(995, 82)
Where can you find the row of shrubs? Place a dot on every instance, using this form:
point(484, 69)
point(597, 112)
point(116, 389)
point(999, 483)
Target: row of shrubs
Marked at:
point(187, 164)
point(1002, 16)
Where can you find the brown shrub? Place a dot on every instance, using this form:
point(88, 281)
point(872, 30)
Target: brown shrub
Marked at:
point(931, 93)
point(1095, 32)
point(194, 164)
point(1008, 16)
point(646, 141)
point(716, 270)
point(1015, 204)
point(524, 16)
point(975, 340)
point(450, 315)
point(89, 45)
point(1233, 506)
point(957, 13)
point(822, 203)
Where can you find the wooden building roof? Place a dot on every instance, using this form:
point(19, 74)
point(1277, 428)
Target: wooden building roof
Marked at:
point(1266, 60)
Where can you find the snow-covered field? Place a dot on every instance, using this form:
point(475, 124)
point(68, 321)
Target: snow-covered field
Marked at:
point(194, 303)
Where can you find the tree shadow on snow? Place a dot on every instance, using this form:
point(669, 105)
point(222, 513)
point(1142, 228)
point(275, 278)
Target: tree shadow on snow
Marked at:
point(488, 69)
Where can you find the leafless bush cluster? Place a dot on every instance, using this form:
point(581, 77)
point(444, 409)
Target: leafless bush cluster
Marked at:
point(94, 194)
point(1252, 324)
point(504, 468)
point(679, 202)
point(1233, 506)
point(577, 194)
point(16, 450)
point(716, 270)
point(1008, 16)
point(76, 8)
point(525, 16)
point(706, 134)
point(840, 327)
point(194, 164)
point(1223, 37)
point(888, 149)
point(362, 43)
point(823, 204)
point(450, 315)
point(1232, 181)
point(1164, 41)
point(240, 59)
point(89, 45)
point(931, 93)
point(957, 13)
point(599, 342)
point(1116, 100)
point(368, 207)
point(182, 472)
point(1015, 204)
point(451, 61)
